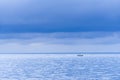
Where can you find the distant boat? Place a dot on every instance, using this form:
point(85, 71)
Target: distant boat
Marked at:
point(80, 55)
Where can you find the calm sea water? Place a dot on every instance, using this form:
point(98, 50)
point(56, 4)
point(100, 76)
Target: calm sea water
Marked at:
point(59, 67)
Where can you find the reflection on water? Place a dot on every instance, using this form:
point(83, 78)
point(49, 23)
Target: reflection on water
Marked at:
point(59, 68)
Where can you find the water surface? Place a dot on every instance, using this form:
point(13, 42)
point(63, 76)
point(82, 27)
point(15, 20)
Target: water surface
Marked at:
point(59, 67)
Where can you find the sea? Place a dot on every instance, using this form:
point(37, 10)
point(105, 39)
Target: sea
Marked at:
point(60, 66)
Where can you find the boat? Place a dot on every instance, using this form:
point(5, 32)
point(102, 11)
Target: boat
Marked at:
point(80, 55)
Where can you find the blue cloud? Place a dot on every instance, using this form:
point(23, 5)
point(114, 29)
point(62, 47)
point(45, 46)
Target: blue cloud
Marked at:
point(59, 35)
point(28, 16)
point(59, 42)
point(76, 38)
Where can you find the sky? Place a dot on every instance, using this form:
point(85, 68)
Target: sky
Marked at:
point(43, 26)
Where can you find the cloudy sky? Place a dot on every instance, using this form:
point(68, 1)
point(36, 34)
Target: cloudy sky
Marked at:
point(35, 26)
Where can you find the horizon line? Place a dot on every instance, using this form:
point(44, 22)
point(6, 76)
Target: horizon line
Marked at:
point(66, 53)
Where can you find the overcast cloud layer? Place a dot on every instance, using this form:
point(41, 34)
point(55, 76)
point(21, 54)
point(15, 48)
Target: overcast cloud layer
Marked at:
point(60, 42)
point(75, 38)
point(59, 16)
point(59, 26)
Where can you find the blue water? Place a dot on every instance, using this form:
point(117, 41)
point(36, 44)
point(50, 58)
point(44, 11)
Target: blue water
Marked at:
point(59, 67)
